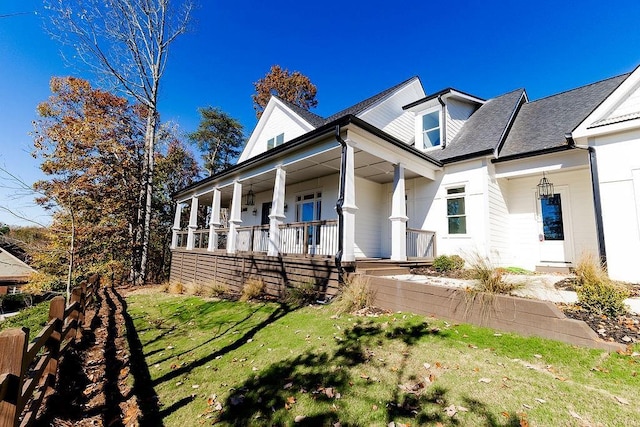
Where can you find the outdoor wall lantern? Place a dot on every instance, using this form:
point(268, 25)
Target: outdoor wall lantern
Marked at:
point(545, 188)
point(250, 197)
point(286, 208)
point(254, 212)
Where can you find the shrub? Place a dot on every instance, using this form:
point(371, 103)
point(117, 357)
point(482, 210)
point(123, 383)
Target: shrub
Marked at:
point(298, 294)
point(40, 283)
point(596, 292)
point(215, 289)
point(194, 288)
point(252, 288)
point(355, 295)
point(488, 277)
point(176, 288)
point(448, 263)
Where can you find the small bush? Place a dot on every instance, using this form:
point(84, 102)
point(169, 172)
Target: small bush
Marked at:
point(40, 283)
point(448, 263)
point(176, 288)
point(252, 288)
point(596, 292)
point(488, 277)
point(356, 294)
point(299, 294)
point(194, 288)
point(215, 289)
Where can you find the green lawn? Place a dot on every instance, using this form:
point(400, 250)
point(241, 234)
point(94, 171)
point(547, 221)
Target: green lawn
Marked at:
point(262, 364)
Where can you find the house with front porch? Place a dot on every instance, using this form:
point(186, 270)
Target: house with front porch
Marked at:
point(403, 176)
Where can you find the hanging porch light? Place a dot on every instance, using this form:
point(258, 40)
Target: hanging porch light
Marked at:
point(250, 197)
point(545, 188)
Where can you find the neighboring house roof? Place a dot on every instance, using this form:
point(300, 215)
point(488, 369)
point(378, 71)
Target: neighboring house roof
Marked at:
point(542, 125)
point(12, 269)
point(485, 129)
point(362, 106)
point(313, 119)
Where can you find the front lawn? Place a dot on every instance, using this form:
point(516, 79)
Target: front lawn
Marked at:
point(234, 363)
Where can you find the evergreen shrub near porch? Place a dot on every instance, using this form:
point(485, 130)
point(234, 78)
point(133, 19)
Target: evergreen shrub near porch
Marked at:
point(596, 292)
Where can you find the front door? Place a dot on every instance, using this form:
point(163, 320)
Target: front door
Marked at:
point(555, 239)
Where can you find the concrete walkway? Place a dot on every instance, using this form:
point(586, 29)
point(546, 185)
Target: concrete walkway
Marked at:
point(539, 286)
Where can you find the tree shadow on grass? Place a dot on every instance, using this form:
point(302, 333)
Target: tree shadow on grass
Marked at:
point(322, 376)
point(269, 398)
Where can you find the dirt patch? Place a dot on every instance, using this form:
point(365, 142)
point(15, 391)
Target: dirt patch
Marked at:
point(96, 376)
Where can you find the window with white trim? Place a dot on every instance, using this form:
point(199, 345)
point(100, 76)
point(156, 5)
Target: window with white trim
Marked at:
point(431, 129)
point(456, 210)
point(275, 141)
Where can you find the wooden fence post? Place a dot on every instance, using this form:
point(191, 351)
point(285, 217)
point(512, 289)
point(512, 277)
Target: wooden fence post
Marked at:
point(56, 311)
point(76, 296)
point(13, 346)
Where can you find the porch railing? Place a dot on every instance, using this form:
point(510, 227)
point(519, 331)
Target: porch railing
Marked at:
point(421, 243)
point(316, 238)
point(309, 238)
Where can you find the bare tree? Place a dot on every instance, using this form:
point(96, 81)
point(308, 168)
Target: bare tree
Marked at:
point(126, 43)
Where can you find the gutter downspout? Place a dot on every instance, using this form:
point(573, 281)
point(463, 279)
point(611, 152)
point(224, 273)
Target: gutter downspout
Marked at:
point(444, 121)
point(597, 202)
point(339, 204)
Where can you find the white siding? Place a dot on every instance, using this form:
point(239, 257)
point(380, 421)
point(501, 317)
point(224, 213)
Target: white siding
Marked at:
point(498, 219)
point(369, 217)
point(457, 114)
point(389, 115)
point(280, 121)
point(524, 221)
point(618, 157)
point(431, 196)
point(629, 106)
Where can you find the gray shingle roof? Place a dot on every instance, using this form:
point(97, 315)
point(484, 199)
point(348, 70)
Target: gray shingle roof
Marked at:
point(484, 129)
point(364, 105)
point(314, 119)
point(542, 124)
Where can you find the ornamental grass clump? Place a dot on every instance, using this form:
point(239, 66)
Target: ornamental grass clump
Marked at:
point(489, 278)
point(355, 295)
point(597, 293)
point(253, 288)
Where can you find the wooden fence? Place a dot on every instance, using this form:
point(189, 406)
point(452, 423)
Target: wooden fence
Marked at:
point(28, 369)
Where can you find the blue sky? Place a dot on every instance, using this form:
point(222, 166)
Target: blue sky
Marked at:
point(349, 50)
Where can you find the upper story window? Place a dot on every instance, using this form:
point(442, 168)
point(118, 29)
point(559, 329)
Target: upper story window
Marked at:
point(456, 210)
point(275, 141)
point(431, 129)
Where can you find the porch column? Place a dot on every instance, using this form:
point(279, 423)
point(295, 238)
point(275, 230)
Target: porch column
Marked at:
point(176, 226)
point(277, 212)
point(234, 218)
point(398, 216)
point(214, 221)
point(349, 207)
point(193, 223)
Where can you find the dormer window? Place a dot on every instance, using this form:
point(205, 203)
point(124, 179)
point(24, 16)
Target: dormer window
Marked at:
point(275, 141)
point(431, 130)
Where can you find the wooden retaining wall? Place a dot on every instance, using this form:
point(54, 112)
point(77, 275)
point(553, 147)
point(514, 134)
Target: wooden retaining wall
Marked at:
point(206, 268)
point(503, 312)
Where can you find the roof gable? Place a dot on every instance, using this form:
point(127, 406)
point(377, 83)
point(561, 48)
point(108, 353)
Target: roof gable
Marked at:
point(542, 124)
point(278, 117)
point(620, 109)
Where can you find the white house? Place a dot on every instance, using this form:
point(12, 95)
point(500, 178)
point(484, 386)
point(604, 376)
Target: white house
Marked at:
point(404, 176)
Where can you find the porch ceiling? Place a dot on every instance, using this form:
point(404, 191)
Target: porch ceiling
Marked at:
point(366, 165)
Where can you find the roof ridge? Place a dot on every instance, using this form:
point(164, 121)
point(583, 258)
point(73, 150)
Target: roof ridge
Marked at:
point(579, 87)
point(359, 107)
